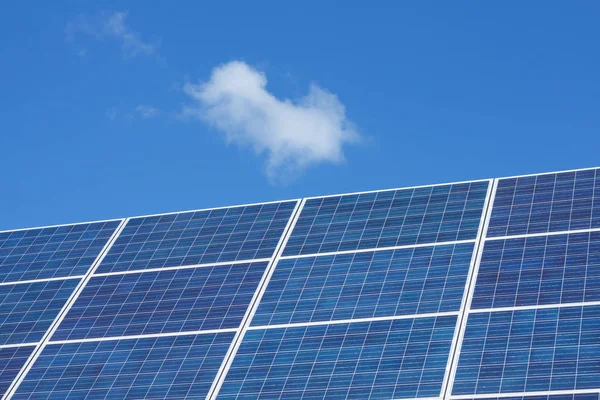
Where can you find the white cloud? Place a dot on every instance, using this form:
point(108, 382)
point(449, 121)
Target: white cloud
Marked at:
point(293, 134)
point(110, 26)
point(146, 111)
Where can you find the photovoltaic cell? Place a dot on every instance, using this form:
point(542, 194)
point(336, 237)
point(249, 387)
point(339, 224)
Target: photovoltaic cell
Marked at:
point(201, 237)
point(404, 358)
point(58, 251)
point(389, 218)
point(546, 203)
point(573, 396)
point(171, 367)
point(364, 285)
point(28, 309)
point(12, 360)
point(530, 351)
point(539, 270)
point(182, 300)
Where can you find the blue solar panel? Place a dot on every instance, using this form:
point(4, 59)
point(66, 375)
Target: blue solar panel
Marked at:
point(28, 309)
point(173, 367)
point(12, 360)
point(539, 270)
point(182, 300)
point(573, 396)
point(58, 251)
point(529, 351)
point(403, 358)
point(546, 203)
point(201, 237)
point(364, 285)
point(389, 218)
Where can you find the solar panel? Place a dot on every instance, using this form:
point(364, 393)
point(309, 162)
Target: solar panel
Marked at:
point(52, 252)
point(402, 358)
point(365, 285)
point(174, 300)
point(200, 237)
point(389, 218)
point(173, 367)
point(539, 270)
point(28, 309)
point(445, 292)
point(572, 396)
point(12, 360)
point(530, 350)
point(546, 203)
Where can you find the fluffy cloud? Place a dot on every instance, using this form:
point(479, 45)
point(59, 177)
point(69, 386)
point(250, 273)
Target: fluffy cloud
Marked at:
point(110, 26)
point(293, 134)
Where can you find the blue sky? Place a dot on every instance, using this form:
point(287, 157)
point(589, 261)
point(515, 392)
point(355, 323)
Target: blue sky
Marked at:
point(127, 109)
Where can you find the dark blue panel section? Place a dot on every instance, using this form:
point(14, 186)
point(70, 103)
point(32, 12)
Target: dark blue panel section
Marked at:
point(173, 367)
point(363, 360)
point(12, 360)
point(529, 351)
point(389, 218)
point(546, 203)
point(539, 270)
point(28, 309)
point(58, 251)
point(580, 396)
point(182, 300)
point(201, 237)
point(363, 285)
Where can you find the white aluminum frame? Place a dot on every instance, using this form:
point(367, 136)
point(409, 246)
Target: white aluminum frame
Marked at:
point(252, 307)
point(470, 289)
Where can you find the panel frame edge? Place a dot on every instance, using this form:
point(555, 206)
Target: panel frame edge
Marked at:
point(254, 303)
point(461, 323)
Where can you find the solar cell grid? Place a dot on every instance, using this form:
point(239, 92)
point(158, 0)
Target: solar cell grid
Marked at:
point(539, 270)
point(573, 396)
point(52, 252)
point(28, 309)
point(403, 358)
point(364, 285)
point(168, 367)
point(388, 218)
point(180, 300)
point(201, 237)
point(546, 203)
point(530, 351)
point(12, 360)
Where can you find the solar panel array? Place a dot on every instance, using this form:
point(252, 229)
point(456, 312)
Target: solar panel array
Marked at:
point(40, 270)
point(533, 324)
point(485, 289)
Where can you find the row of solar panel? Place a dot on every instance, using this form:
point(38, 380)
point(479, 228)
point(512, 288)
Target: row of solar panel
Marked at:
point(513, 272)
point(337, 223)
point(362, 285)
